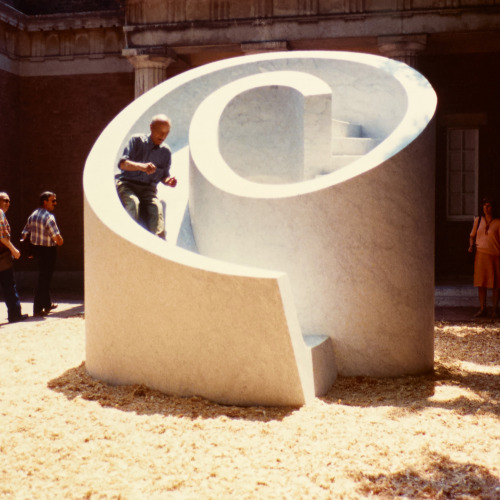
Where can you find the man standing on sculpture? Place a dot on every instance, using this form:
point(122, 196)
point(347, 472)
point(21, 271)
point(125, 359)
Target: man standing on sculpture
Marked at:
point(145, 162)
point(46, 237)
point(8, 252)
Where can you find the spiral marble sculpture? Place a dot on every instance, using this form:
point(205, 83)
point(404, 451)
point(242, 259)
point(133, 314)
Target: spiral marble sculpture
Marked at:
point(300, 237)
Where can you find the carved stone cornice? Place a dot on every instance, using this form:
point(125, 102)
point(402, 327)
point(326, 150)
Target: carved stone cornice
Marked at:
point(230, 27)
point(48, 22)
point(147, 12)
point(84, 20)
point(12, 17)
point(349, 19)
point(265, 46)
point(60, 36)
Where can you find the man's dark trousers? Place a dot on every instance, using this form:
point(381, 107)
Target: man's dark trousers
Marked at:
point(46, 260)
point(11, 296)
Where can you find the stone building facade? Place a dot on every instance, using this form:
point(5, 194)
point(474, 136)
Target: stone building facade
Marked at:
point(68, 67)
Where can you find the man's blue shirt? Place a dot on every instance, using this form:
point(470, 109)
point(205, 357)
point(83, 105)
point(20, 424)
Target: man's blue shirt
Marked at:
point(140, 148)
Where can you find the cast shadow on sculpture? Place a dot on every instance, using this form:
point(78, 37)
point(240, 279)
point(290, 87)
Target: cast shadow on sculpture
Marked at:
point(300, 235)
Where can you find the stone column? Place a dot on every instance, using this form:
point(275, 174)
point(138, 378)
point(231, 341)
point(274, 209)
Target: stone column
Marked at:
point(404, 48)
point(150, 66)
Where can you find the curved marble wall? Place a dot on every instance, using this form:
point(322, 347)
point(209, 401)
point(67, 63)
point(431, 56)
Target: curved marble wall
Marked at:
point(304, 210)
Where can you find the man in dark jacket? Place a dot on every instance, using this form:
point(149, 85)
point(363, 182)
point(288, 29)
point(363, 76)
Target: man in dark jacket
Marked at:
point(8, 252)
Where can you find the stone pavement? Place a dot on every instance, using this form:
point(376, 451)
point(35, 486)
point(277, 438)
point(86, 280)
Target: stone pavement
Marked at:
point(458, 303)
point(452, 303)
point(69, 304)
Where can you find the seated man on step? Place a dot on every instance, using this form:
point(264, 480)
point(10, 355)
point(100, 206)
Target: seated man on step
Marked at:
point(145, 163)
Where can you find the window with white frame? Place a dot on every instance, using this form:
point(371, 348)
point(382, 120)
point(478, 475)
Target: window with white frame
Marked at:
point(462, 173)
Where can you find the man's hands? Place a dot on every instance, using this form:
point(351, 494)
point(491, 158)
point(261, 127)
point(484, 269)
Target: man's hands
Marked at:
point(149, 168)
point(131, 166)
point(13, 250)
point(170, 181)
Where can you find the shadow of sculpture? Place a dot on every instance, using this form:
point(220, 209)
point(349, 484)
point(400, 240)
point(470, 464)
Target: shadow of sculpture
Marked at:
point(466, 359)
point(411, 394)
point(403, 395)
point(139, 399)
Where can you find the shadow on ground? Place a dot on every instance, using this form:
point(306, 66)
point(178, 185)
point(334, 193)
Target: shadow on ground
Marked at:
point(466, 356)
point(473, 344)
point(139, 399)
point(443, 478)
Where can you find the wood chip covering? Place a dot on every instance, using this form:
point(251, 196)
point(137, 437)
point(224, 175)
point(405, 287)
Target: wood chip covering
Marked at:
point(65, 435)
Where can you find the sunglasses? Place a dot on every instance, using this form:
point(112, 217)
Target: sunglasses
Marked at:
point(4, 200)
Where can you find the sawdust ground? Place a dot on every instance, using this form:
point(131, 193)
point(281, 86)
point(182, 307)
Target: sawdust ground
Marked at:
point(65, 435)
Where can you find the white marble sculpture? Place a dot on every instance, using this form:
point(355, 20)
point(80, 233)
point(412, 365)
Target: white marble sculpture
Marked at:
point(300, 235)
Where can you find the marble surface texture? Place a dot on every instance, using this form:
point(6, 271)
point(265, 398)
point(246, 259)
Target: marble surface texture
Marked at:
point(280, 230)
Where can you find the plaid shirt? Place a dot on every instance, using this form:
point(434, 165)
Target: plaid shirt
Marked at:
point(4, 232)
point(4, 225)
point(42, 228)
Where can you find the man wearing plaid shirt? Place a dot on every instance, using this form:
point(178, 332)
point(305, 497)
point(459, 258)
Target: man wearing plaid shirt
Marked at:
point(45, 237)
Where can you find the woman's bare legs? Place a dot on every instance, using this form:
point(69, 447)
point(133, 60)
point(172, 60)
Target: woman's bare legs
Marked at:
point(482, 302)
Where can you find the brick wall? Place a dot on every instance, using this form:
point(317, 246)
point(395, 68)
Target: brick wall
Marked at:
point(61, 118)
point(9, 150)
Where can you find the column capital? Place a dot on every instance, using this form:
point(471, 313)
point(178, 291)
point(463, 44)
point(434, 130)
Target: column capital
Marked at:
point(144, 57)
point(150, 65)
point(405, 48)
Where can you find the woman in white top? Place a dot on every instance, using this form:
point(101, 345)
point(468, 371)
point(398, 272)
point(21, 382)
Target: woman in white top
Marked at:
point(486, 235)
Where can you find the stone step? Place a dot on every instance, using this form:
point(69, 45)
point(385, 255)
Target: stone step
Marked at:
point(323, 361)
point(345, 129)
